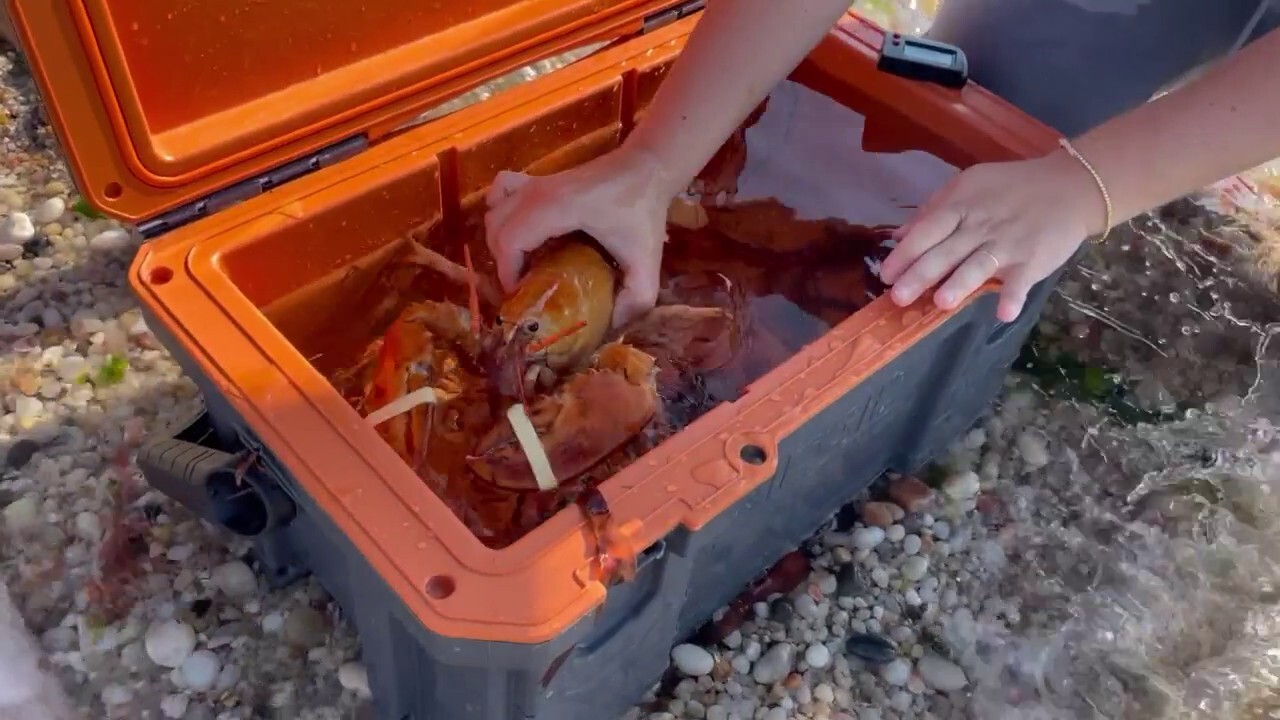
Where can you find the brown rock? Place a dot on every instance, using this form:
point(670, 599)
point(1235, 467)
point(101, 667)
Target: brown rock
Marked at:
point(878, 514)
point(793, 682)
point(911, 493)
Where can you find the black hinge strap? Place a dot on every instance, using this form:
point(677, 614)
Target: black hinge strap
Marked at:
point(670, 15)
point(252, 187)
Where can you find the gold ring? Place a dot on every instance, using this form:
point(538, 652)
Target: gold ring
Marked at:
point(994, 259)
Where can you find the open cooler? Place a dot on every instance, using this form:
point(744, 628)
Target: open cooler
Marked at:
point(275, 157)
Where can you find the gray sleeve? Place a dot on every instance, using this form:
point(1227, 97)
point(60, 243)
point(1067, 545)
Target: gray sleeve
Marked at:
point(1073, 64)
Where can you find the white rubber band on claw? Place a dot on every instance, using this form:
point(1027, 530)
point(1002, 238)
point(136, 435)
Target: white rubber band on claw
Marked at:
point(531, 444)
point(405, 403)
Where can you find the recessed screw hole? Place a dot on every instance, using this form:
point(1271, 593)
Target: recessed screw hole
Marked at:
point(753, 454)
point(113, 191)
point(440, 587)
point(160, 275)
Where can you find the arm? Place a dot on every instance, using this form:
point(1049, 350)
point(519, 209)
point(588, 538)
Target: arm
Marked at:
point(1225, 121)
point(735, 56)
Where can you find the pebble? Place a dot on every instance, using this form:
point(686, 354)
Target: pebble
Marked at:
point(113, 695)
point(867, 538)
point(20, 453)
point(895, 533)
point(175, 705)
point(170, 642)
point(71, 367)
point(1033, 448)
point(304, 628)
point(871, 648)
point(850, 581)
point(110, 240)
point(775, 664)
point(962, 486)
point(234, 579)
point(910, 493)
point(50, 210)
point(10, 252)
point(817, 656)
point(200, 670)
point(21, 515)
point(941, 674)
point(354, 677)
point(878, 514)
point(915, 568)
point(17, 229)
point(911, 544)
point(807, 607)
point(691, 660)
point(896, 672)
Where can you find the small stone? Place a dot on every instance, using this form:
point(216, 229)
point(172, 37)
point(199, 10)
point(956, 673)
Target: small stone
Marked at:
point(21, 515)
point(776, 713)
point(910, 493)
point(871, 648)
point(941, 674)
point(806, 607)
point(200, 670)
point(10, 252)
point(775, 664)
point(781, 611)
point(272, 622)
point(28, 410)
point(915, 568)
point(691, 660)
point(817, 656)
point(895, 533)
point(170, 642)
point(234, 579)
point(850, 581)
point(110, 240)
point(304, 628)
point(88, 526)
point(962, 486)
point(878, 514)
point(867, 538)
point(824, 693)
point(896, 672)
point(71, 368)
point(174, 706)
point(20, 453)
point(354, 677)
point(17, 229)
point(1033, 448)
point(911, 544)
point(113, 695)
point(50, 210)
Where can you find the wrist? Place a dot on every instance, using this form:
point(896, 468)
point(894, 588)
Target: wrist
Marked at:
point(645, 162)
point(1086, 192)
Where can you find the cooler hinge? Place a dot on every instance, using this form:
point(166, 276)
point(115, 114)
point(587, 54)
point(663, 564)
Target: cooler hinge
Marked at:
point(672, 14)
point(252, 187)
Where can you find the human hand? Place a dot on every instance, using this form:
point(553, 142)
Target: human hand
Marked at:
point(619, 199)
point(1016, 221)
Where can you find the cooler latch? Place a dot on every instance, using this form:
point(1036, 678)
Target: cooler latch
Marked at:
point(252, 187)
point(670, 15)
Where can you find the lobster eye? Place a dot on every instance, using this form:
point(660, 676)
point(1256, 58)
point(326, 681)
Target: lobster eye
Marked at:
point(532, 326)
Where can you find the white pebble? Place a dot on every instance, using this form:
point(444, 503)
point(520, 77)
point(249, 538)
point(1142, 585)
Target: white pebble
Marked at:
point(941, 530)
point(17, 228)
point(88, 526)
point(116, 695)
point(817, 656)
point(692, 660)
point(10, 252)
point(21, 514)
point(200, 670)
point(717, 712)
point(915, 568)
point(733, 640)
point(911, 544)
point(234, 579)
point(71, 367)
point(110, 240)
point(354, 677)
point(824, 693)
point(941, 674)
point(867, 538)
point(28, 409)
point(741, 664)
point(50, 210)
point(896, 672)
point(962, 486)
point(1033, 448)
point(775, 664)
point(880, 577)
point(170, 642)
point(175, 705)
point(806, 607)
point(895, 533)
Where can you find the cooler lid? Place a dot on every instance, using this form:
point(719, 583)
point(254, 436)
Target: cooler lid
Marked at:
point(161, 104)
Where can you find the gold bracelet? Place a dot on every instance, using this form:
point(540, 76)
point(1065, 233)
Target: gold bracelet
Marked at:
point(1106, 197)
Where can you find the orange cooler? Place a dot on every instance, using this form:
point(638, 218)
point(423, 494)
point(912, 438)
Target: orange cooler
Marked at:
point(266, 149)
